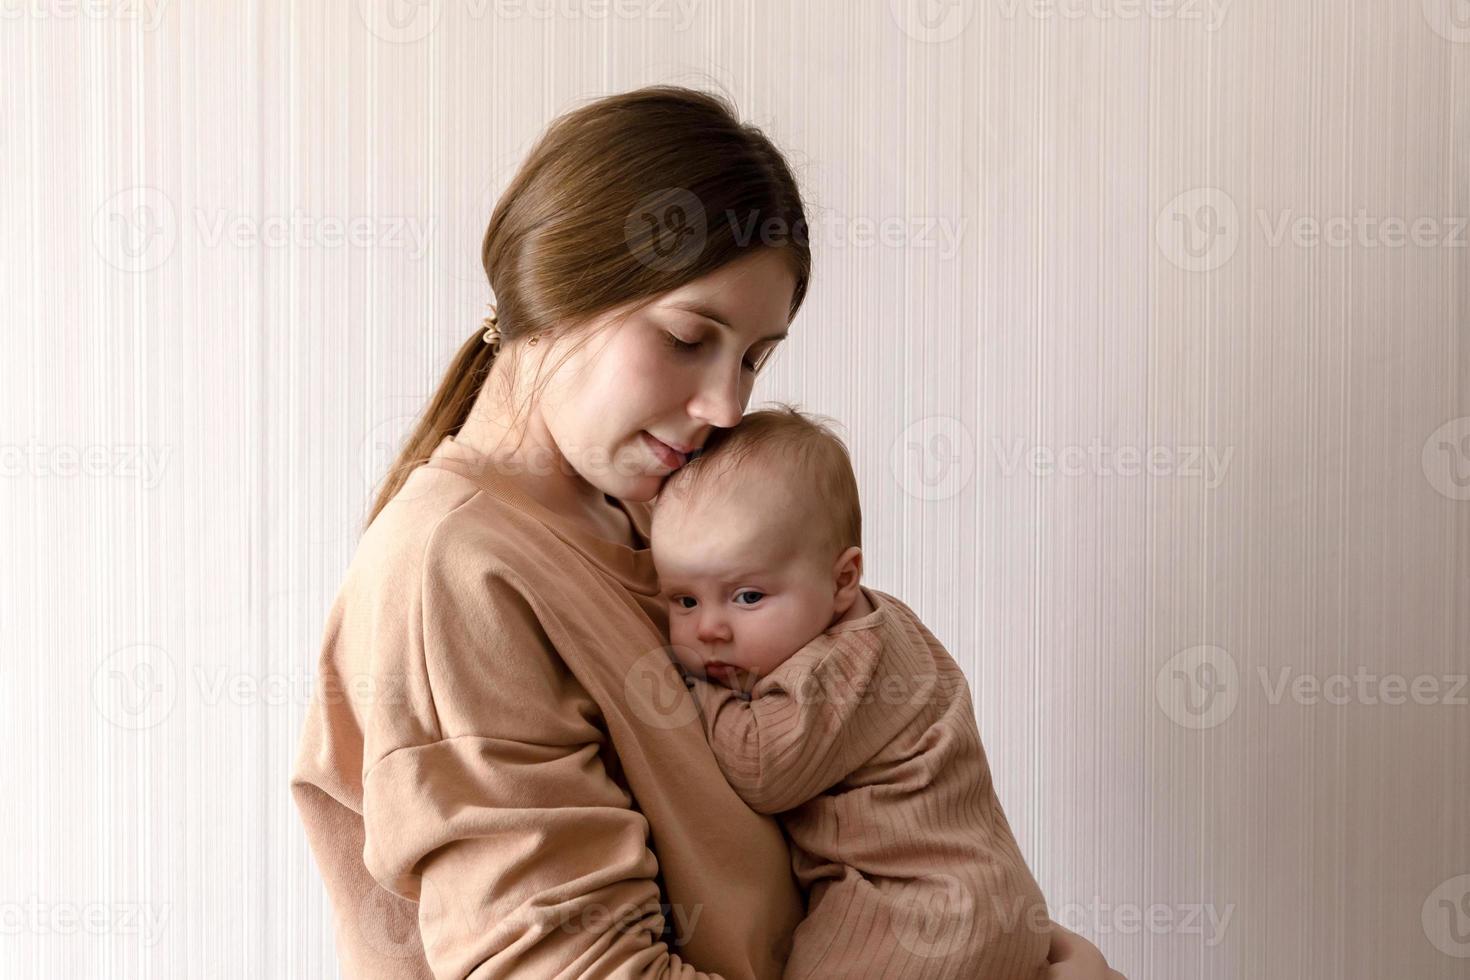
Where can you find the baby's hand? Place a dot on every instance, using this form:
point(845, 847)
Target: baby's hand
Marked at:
point(706, 688)
point(739, 682)
point(709, 695)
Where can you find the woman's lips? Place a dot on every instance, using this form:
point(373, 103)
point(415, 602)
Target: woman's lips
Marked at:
point(666, 454)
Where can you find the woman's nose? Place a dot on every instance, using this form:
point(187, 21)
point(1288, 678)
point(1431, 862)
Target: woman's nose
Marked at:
point(721, 400)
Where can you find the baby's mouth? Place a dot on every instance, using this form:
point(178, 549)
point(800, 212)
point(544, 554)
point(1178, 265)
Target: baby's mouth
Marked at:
point(730, 676)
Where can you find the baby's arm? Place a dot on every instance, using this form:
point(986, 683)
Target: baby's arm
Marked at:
point(807, 724)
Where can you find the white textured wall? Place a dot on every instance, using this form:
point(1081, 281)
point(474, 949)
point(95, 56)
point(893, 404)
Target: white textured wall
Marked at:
point(1099, 245)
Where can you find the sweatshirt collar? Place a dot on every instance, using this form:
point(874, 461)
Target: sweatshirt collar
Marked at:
point(633, 567)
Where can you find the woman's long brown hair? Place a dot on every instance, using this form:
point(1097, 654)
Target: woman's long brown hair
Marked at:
point(622, 199)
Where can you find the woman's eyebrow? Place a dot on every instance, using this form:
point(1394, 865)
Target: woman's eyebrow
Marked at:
point(699, 309)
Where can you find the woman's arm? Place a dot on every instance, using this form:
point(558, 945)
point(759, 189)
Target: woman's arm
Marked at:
point(1074, 958)
point(486, 800)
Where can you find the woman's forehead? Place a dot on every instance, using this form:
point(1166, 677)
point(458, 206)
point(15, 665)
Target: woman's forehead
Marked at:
point(752, 293)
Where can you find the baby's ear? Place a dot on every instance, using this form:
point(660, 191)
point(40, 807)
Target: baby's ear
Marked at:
point(847, 574)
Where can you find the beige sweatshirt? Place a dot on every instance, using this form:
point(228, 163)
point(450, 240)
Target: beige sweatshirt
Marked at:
point(501, 772)
point(865, 741)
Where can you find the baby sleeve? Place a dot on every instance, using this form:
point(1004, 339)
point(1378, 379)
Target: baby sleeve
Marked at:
point(488, 802)
point(807, 724)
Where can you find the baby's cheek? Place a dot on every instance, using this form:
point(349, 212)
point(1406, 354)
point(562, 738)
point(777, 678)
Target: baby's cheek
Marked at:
point(779, 640)
point(680, 640)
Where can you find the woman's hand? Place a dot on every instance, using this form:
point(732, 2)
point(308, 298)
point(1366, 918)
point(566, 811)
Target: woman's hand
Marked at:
point(1073, 958)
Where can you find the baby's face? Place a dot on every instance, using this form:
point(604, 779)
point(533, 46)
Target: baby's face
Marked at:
point(742, 588)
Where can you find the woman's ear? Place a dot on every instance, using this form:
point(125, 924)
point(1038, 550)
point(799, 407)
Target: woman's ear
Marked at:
point(847, 575)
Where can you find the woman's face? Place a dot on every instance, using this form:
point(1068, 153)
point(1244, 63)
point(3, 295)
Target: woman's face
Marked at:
point(669, 372)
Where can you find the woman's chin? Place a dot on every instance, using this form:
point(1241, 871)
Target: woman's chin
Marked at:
point(634, 489)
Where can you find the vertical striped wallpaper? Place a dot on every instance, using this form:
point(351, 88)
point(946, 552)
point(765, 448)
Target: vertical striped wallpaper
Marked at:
point(1146, 321)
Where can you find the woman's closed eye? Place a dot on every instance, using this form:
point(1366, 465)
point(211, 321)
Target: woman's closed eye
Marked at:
point(682, 346)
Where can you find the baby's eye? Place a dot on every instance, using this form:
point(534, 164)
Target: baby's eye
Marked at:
point(745, 592)
point(685, 601)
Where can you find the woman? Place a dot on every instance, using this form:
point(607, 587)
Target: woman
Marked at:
point(501, 773)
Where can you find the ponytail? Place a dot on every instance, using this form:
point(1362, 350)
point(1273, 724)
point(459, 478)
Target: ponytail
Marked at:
point(447, 411)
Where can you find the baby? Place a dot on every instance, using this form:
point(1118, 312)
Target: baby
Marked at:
point(831, 704)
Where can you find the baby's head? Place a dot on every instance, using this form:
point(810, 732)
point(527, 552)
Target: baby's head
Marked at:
point(757, 542)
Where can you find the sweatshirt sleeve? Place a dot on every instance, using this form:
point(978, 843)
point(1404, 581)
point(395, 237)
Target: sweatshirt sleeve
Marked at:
point(806, 725)
point(488, 802)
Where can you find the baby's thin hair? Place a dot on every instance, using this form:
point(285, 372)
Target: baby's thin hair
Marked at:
point(800, 449)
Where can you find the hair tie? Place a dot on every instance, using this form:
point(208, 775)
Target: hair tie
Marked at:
point(491, 323)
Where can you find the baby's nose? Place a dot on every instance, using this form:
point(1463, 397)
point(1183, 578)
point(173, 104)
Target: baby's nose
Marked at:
point(712, 629)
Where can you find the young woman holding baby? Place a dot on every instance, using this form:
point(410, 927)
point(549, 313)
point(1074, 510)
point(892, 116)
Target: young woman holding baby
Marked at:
point(502, 774)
